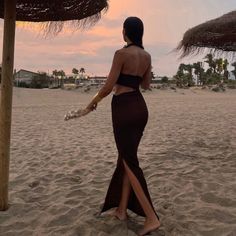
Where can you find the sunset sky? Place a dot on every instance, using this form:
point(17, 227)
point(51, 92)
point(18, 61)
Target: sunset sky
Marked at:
point(165, 22)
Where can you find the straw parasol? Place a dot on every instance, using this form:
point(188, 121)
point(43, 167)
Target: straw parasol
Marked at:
point(219, 35)
point(52, 13)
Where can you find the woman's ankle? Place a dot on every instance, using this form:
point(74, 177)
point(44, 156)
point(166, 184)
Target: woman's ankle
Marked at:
point(152, 218)
point(121, 210)
point(120, 214)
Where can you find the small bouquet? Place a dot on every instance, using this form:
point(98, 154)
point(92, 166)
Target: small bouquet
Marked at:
point(76, 114)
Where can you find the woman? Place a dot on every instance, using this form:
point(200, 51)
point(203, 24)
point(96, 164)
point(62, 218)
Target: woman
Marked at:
point(130, 69)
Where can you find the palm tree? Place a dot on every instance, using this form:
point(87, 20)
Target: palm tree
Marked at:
point(55, 73)
point(181, 68)
point(179, 75)
point(59, 73)
point(189, 77)
point(211, 62)
point(62, 73)
point(198, 71)
point(82, 71)
point(153, 75)
point(183, 78)
point(219, 65)
point(75, 72)
point(225, 68)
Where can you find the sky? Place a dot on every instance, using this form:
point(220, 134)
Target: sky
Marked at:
point(165, 22)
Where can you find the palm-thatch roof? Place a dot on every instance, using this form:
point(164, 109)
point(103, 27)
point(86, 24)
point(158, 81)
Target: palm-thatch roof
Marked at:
point(54, 12)
point(219, 35)
point(32, 11)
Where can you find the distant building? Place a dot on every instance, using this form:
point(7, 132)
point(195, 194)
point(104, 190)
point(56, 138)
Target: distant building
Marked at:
point(156, 80)
point(30, 79)
point(97, 80)
point(159, 79)
point(231, 76)
point(25, 76)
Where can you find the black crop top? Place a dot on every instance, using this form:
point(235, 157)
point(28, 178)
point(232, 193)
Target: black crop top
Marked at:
point(131, 81)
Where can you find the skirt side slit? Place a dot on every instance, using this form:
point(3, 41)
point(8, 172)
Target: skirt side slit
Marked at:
point(129, 118)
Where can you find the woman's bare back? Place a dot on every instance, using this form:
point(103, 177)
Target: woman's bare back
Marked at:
point(136, 62)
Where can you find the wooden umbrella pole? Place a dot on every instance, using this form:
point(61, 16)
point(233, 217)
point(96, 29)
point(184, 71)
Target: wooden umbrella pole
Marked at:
point(6, 98)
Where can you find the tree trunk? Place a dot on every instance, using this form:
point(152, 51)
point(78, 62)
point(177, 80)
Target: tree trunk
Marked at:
point(6, 98)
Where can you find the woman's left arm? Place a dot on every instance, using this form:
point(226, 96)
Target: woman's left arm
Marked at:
point(106, 89)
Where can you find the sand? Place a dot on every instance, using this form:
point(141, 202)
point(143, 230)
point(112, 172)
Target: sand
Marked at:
point(60, 171)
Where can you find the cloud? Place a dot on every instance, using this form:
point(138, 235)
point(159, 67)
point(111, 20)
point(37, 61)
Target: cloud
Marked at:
point(165, 22)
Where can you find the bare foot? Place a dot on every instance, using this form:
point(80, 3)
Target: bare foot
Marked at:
point(120, 215)
point(149, 226)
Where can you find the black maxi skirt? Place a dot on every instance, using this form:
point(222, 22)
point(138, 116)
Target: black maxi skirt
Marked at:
point(129, 118)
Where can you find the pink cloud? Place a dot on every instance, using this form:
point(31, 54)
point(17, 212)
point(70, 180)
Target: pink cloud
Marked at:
point(165, 22)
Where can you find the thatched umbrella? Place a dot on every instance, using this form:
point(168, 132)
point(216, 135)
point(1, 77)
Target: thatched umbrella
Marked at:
point(219, 35)
point(53, 13)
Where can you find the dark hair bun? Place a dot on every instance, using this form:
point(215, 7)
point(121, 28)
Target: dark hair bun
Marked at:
point(134, 30)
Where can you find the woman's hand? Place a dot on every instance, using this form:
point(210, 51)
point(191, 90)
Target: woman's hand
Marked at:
point(92, 106)
point(76, 114)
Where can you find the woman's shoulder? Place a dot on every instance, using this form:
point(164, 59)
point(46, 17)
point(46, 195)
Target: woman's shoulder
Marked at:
point(124, 52)
point(147, 54)
point(120, 51)
point(120, 54)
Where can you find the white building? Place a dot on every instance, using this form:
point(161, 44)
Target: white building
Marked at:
point(25, 76)
point(231, 76)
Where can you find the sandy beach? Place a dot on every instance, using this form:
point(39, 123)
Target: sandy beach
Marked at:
point(60, 171)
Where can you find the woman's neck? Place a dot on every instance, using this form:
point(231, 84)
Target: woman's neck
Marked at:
point(129, 42)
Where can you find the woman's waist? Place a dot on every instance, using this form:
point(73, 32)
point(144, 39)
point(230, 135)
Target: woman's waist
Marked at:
point(128, 99)
point(121, 90)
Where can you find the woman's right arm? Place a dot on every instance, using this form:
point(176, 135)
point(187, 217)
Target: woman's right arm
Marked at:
point(106, 89)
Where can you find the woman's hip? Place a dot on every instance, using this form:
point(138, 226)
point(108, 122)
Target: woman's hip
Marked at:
point(130, 110)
